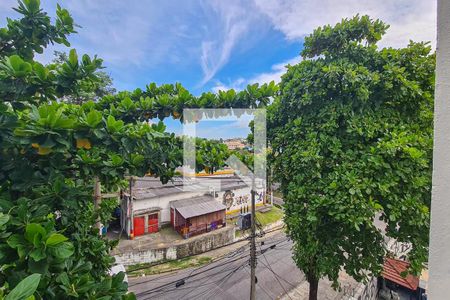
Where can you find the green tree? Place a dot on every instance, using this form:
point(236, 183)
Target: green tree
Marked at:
point(90, 89)
point(51, 150)
point(351, 135)
point(210, 155)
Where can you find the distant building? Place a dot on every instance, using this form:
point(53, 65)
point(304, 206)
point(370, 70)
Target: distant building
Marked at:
point(234, 144)
point(153, 204)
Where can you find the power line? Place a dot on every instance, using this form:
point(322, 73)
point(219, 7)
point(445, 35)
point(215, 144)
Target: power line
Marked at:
point(229, 255)
point(245, 237)
point(209, 276)
point(262, 288)
point(221, 282)
point(224, 260)
point(274, 273)
point(187, 277)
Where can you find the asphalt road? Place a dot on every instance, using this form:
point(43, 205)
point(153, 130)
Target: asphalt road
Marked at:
point(229, 276)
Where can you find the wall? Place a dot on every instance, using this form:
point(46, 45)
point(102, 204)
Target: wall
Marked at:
point(241, 198)
point(362, 291)
point(163, 203)
point(439, 280)
point(192, 246)
point(206, 242)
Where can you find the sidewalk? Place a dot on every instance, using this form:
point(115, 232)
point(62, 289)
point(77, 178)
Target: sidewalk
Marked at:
point(350, 290)
point(166, 237)
point(213, 255)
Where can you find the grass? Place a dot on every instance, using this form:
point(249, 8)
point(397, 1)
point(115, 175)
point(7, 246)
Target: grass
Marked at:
point(173, 265)
point(270, 216)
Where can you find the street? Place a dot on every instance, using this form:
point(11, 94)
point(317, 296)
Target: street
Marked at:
point(228, 277)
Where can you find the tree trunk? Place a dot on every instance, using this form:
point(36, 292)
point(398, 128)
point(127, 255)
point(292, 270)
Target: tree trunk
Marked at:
point(313, 287)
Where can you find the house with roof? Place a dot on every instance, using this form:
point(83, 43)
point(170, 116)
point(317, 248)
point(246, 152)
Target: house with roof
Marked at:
point(396, 283)
point(190, 207)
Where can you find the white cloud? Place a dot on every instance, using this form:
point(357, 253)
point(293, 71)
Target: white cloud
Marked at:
point(274, 74)
point(233, 21)
point(409, 19)
point(203, 36)
point(237, 84)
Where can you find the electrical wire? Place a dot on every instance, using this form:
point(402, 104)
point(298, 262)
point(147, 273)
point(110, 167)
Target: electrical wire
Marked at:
point(221, 280)
point(226, 259)
point(169, 289)
point(228, 255)
point(259, 285)
point(275, 274)
point(187, 277)
point(206, 283)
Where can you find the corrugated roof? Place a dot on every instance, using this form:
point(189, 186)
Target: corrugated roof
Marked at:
point(392, 270)
point(150, 187)
point(197, 206)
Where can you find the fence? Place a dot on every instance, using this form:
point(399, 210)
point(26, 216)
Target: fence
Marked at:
point(189, 231)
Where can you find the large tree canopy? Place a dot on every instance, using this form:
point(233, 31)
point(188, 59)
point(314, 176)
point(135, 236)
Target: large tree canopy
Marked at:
point(351, 134)
point(52, 150)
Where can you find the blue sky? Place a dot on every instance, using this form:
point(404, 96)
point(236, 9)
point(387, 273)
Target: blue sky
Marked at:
point(212, 45)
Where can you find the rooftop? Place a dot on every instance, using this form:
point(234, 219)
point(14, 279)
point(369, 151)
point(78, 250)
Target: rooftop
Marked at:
point(392, 271)
point(197, 206)
point(150, 187)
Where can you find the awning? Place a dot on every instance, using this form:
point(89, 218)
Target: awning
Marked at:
point(392, 270)
point(197, 206)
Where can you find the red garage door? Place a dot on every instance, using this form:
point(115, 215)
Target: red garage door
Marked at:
point(152, 223)
point(139, 226)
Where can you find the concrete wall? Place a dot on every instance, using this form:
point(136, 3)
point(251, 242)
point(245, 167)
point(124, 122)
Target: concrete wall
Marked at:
point(368, 291)
point(203, 243)
point(163, 203)
point(147, 256)
point(242, 198)
point(439, 259)
point(192, 246)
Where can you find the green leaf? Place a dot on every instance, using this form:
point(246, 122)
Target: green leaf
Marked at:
point(62, 250)
point(129, 296)
point(93, 118)
point(64, 279)
point(16, 240)
point(38, 254)
point(17, 67)
point(3, 219)
point(25, 288)
point(34, 232)
point(40, 71)
point(73, 57)
point(55, 239)
point(32, 5)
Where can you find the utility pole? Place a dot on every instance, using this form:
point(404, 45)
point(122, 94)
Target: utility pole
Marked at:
point(97, 200)
point(253, 246)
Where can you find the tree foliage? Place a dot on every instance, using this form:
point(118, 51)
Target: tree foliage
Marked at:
point(46, 167)
point(351, 135)
point(210, 155)
point(93, 88)
point(51, 150)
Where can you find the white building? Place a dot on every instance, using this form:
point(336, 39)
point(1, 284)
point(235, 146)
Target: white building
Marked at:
point(153, 204)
